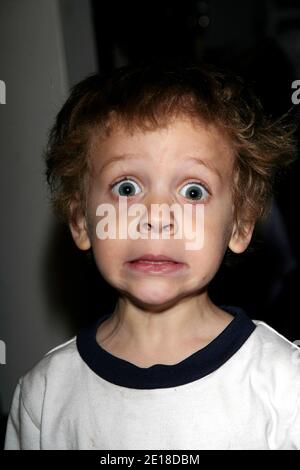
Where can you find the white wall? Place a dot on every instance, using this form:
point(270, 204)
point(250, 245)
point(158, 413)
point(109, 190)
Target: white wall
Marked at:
point(39, 60)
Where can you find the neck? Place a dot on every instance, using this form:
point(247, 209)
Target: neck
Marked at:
point(192, 318)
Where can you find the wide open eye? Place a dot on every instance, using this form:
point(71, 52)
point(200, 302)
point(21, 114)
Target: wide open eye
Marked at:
point(195, 191)
point(125, 187)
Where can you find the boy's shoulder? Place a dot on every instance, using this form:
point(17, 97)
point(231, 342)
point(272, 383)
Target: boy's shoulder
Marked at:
point(56, 359)
point(272, 340)
point(275, 356)
point(56, 367)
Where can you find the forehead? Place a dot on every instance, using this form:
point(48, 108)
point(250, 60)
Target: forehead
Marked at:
point(181, 140)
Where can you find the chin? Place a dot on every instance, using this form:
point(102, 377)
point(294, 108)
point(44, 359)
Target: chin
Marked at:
point(153, 296)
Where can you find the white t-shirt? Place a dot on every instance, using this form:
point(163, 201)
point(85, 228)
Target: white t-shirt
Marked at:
point(241, 391)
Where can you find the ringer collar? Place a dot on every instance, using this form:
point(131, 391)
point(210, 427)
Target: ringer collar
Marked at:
point(201, 363)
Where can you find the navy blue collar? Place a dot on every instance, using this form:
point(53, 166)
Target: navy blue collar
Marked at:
point(201, 363)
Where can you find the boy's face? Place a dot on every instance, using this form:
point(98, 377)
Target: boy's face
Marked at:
point(159, 167)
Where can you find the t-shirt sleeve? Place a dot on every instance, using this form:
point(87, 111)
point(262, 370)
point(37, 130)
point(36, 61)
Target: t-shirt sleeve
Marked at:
point(21, 432)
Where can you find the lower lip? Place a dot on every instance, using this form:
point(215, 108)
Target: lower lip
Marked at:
point(163, 267)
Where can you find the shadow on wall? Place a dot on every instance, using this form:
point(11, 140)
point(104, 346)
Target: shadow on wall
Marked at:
point(73, 286)
point(3, 423)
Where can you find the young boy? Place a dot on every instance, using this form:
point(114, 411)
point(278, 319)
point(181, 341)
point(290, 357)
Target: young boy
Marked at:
point(167, 369)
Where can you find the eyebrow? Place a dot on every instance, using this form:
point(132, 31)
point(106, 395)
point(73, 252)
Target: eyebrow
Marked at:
point(208, 165)
point(125, 156)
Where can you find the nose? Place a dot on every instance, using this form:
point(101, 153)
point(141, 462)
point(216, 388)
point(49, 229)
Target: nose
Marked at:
point(154, 227)
point(158, 218)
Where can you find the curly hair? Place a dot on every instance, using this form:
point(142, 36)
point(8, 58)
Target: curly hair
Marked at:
point(147, 97)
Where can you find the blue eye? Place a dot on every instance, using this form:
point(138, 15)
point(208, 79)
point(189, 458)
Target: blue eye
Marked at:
point(196, 191)
point(124, 187)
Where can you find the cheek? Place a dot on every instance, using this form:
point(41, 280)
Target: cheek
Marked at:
point(218, 217)
point(216, 227)
point(212, 221)
point(106, 254)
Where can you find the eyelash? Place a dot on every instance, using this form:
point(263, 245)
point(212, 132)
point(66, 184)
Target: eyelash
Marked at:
point(126, 178)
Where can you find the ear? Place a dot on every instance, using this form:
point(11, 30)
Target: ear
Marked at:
point(80, 233)
point(241, 237)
